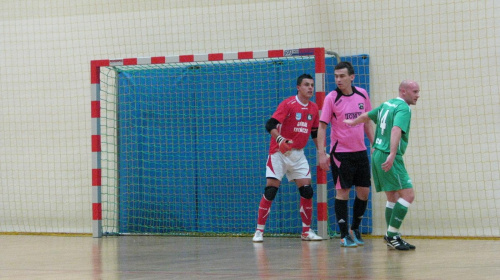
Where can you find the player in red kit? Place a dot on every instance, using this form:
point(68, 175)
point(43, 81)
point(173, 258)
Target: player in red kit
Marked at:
point(295, 119)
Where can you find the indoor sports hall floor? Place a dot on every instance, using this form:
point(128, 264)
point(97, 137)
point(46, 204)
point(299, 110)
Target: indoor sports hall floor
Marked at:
point(147, 257)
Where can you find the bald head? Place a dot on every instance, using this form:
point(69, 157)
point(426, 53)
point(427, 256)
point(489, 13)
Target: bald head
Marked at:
point(409, 91)
point(407, 83)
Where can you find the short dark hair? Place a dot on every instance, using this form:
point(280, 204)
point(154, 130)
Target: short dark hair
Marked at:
point(302, 77)
point(345, 64)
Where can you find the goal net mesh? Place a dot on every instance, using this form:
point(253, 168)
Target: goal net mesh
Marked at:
point(184, 146)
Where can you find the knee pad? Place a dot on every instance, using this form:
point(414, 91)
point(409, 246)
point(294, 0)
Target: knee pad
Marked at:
point(306, 191)
point(270, 193)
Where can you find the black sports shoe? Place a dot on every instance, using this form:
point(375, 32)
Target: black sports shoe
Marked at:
point(395, 242)
point(410, 246)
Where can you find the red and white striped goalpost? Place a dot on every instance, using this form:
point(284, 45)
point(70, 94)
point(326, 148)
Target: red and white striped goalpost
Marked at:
point(95, 65)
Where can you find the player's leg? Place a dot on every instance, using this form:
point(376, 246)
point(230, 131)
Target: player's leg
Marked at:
point(342, 215)
point(399, 190)
point(342, 171)
point(403, 193)
point(399, 211)
point(382, 180)
point(392, 198)
point(392, 236)
point(300, 173)
point(358, 211)
point(362, 180)
point(274, 173)
point(389, 205)
point(379, 180)
point(406, 197)
point(306, 208)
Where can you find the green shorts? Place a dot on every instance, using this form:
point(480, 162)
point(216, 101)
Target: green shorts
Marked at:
point(395, 179)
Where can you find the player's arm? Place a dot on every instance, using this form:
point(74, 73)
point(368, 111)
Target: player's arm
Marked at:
point(370, 132)
point(363, 118)
point(314, 136)
point(271, 127)
point(283, 143)
point(324, 162)
point(395, 139)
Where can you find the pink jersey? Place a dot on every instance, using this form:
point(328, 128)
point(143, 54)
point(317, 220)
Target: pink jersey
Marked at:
point(337, 108)
point(296, 121)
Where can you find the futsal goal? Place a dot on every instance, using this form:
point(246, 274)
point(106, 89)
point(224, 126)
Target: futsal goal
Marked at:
point(179, 144)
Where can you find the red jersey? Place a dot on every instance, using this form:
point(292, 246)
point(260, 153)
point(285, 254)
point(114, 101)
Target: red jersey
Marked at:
point(296, 121)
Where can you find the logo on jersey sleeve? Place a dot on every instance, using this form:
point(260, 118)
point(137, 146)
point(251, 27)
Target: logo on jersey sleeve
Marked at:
point(298, 116)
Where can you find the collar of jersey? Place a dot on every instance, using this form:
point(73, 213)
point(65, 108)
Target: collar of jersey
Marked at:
point(298, 100)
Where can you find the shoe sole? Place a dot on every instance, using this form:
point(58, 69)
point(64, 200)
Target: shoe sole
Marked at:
point(348, 246)
point(409, 248)
point(257, 241)
point(394, 248)
point(407, 244)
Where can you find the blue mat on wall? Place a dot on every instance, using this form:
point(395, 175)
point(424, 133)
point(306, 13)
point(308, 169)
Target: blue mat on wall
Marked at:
point(180, 140)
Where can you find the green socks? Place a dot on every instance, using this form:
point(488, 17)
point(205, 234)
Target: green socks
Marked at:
point(388, 212)
point(398, 214)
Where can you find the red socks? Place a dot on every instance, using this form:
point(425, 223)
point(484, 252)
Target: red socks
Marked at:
point(306, 213)
point(264, 210)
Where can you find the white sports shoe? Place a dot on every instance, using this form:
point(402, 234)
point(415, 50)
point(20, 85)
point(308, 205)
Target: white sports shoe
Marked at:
point(311, 236)
point(258, 236)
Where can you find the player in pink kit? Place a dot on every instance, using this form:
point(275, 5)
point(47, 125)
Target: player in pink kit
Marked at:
point(295, 119)
point(348, 157)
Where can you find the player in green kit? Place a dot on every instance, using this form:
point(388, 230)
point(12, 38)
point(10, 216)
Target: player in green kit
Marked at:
point(392, 119)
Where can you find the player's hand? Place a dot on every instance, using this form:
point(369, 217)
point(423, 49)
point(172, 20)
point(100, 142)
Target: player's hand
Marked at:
point(349, 122)
point(324, 161)
point(284, 145)
point(387, 165)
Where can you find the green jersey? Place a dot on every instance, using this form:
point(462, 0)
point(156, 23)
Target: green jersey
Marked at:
point(394, 112)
